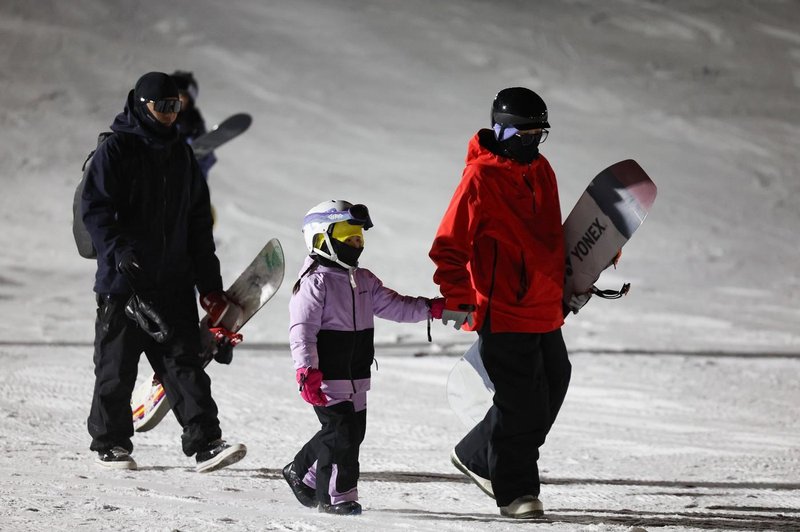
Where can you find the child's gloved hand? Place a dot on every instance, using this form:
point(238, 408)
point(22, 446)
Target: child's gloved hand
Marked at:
point(310, 381)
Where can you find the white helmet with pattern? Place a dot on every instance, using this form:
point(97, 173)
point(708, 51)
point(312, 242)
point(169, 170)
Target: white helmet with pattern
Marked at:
point(318, 224)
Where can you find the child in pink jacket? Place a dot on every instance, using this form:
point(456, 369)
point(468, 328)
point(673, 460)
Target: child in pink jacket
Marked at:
point(331, 337)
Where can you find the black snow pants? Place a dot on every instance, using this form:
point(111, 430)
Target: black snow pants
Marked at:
point(330, 458)
point(117, 347)
point(531, 374)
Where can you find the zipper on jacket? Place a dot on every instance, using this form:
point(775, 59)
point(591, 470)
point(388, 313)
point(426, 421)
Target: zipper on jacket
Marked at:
point(163, 226)
point(523, 279)
point(523, 275)
point(491, 287)
point(355, 335)
point(530, 186)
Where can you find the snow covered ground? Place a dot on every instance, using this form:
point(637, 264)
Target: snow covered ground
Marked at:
point(680, 442)
point(682, 411)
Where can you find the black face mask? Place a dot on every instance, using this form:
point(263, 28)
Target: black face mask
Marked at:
point(347, 254)
point(522, 148)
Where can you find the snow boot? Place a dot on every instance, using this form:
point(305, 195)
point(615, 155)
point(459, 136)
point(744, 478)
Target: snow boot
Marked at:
point(217, 455)
point(525, 507)
point(304, 493)
point(115, 458)
point(343, 508)
point(483, 483)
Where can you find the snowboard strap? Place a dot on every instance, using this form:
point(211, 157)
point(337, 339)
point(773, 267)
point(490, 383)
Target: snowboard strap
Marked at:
point(221, 334)
point(612, 294)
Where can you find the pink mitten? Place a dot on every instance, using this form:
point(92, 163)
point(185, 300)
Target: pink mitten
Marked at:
point(310, 381)
point(437, 307)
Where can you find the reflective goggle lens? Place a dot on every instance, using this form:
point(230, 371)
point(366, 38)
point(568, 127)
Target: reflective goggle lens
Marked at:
point(165, 106)
point(506, 132)
point(342, 231)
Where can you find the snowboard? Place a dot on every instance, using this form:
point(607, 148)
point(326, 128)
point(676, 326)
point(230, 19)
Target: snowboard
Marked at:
point(250, 291)
point(228, 129)
point(605, 217)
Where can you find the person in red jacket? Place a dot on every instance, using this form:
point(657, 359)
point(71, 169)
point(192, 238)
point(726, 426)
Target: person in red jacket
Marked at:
point(499, 256)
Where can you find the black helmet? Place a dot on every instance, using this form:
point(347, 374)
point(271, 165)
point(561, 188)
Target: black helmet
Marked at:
point(186, 83)
point(154, 86)
point(519, 107)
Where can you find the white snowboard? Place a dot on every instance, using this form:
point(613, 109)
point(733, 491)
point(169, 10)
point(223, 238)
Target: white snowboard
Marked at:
point(250, 291)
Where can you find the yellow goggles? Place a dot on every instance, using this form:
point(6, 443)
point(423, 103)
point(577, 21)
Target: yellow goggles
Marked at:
point(341, 232)
point(344, 230)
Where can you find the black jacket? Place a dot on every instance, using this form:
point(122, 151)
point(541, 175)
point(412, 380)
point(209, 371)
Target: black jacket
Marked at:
point(144, 192)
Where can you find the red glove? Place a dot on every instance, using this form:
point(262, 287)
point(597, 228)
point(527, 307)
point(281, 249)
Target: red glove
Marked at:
point(216, 304)
point(310, 381)
point(437, 307)
point(226, 341)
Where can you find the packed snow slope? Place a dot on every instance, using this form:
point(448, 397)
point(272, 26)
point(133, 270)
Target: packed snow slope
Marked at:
point(375, 101)
point(662, 443)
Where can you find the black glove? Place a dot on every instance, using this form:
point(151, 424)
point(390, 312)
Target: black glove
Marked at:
point(144, 313)
point(224, 354)
point(128, 266)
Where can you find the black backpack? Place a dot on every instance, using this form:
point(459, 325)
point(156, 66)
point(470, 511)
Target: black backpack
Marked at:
point(82, 238)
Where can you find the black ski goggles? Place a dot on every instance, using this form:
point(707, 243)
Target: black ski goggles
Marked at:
point(164, 106)
point(533, 138)
point(359, 215)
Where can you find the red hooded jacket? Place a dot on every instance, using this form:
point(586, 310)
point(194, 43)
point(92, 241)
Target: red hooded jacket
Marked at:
point(500, 245)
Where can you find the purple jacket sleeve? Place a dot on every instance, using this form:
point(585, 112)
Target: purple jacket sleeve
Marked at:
point(305, 321)
point(390, 305)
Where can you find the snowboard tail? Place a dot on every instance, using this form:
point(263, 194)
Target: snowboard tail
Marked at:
point(149, 405)
point(250, 291)
point(625, 194)
point(227, 130)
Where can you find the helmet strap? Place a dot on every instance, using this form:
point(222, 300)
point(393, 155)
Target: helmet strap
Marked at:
point(332, 255)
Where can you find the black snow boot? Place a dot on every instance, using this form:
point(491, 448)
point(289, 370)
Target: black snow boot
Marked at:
point(304, 493)
point(343, 508)
point(219, 454)
point(116, 458)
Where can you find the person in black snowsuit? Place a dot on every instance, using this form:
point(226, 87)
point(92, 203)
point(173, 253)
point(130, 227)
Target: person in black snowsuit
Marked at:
point(190, 121)
point(146, 207)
